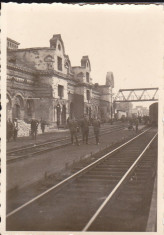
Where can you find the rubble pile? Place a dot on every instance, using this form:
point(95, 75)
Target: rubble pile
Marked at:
point(24, 128)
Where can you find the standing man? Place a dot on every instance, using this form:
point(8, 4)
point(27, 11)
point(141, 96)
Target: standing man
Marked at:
point(42, 123)
point(67, 124)
point(96, 127)
point(131, 124)
point(9, 130)
point(136, 124)
point(15, 128)
point(58, 123)
point(73, 126)
point(85, 129)
point(34, 128)
point(68, 121)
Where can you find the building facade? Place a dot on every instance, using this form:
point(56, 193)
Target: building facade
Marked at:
point(125, 107)
point(42, 83)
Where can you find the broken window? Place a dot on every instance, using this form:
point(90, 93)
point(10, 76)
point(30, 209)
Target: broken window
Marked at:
point(60, 91)
point(59, 63)
point(88, 95)
point(87, 77)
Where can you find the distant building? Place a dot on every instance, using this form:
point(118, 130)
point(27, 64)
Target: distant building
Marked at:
point(121, 114)
point(41, 83)
point(140, 111)
point(125, 107)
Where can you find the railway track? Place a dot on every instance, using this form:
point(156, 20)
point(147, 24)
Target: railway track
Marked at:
point(131, 204)
point(80, 202)
point(30, 151)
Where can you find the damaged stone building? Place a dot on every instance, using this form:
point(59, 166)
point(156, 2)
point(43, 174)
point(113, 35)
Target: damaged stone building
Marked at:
point(42, 83)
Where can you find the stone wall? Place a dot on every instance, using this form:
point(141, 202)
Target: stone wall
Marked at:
point(59, 81)
point(43, 109)
point(105, 92)
point(43, 58)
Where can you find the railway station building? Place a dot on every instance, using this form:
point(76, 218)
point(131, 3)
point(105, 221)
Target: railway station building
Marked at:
point(42, 83)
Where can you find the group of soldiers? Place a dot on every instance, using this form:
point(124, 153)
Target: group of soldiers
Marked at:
point(132, 123)
point(83, 124)
point(74, 125)
point(34, 127)
point(13, 127)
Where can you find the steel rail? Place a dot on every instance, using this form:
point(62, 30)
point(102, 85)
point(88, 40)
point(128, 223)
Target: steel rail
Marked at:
point(116, 187)
point(74, 175)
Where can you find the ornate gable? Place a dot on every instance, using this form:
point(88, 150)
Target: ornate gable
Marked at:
point(48, 58)
point(56, 42)
point(85, 62)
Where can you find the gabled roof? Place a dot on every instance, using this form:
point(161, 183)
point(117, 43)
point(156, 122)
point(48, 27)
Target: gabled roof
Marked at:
point(54, 39)
point(84, 61)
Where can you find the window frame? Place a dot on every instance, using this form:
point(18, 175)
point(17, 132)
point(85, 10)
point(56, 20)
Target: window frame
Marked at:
point(59, 63)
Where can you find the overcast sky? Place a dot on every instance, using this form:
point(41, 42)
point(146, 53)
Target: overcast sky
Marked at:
point(127, 40)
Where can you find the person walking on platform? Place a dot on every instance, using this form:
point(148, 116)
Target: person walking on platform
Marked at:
point(136, 124)
point(73, 127)
point(130, 127)
point(34, 128)
point(85, 129)
point(96, 127)
point(42, 123)
point(68, 121)
point(58, 123)
point(15, 128)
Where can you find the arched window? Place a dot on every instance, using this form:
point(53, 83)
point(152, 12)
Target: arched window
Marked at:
point(59, 60)
point(30, 107)
point(18, 106)
point(88, 95)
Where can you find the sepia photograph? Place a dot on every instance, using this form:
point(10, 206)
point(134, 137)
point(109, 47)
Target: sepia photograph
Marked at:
point(81, 93)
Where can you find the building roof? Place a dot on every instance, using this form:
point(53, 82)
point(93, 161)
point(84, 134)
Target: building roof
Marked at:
point(53, 41)
point(11, 40)
point(34, 48)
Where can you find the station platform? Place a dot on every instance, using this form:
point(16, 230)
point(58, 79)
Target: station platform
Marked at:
point(27, 140)
point(49, 136)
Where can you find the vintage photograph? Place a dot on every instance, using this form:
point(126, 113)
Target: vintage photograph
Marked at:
point(81, 104)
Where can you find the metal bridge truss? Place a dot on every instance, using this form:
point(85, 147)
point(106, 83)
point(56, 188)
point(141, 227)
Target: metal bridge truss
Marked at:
point(135, 95)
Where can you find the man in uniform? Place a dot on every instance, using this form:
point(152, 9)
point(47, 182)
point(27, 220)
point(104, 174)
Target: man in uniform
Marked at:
point(15, 128)
point(96, 127)
point(136, 124)
point(73, 126)
point(85, 129)
point(9, 129)
point(42, 123)
point(34, 128)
